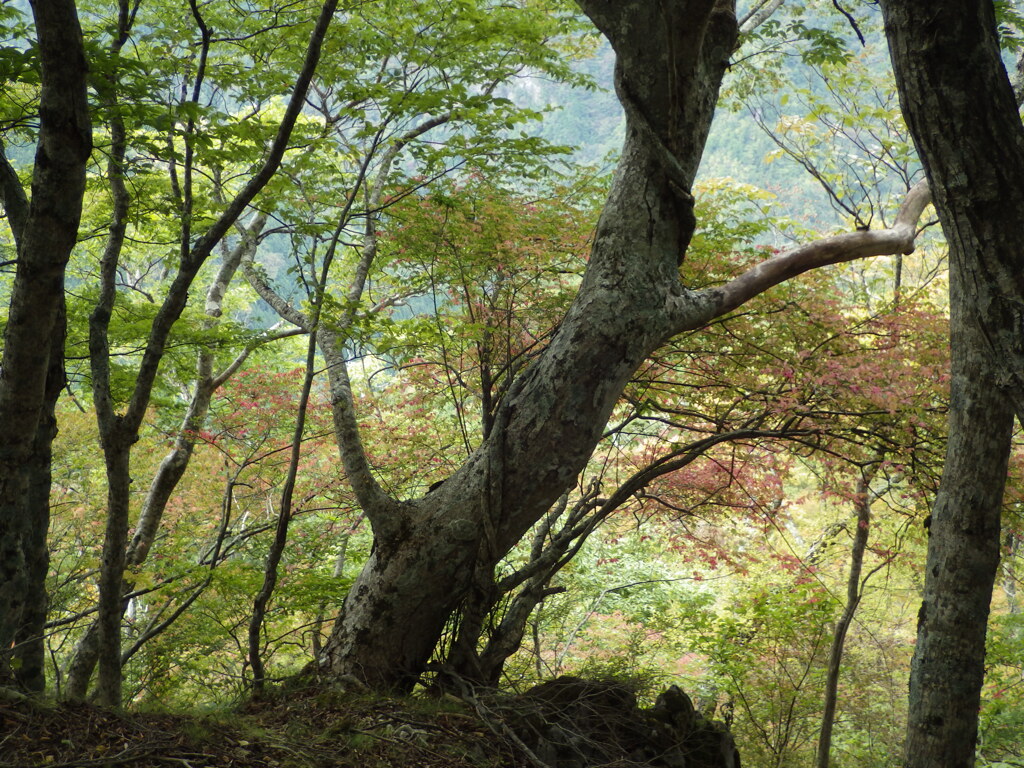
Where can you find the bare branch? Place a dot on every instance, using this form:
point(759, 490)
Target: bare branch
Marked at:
point(758, 15)
point(897, 239)
point(851, 20)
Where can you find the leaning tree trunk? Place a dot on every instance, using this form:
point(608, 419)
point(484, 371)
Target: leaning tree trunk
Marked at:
point(553, 415)
point(960, 107)
point(671, 56)
point(45, 231)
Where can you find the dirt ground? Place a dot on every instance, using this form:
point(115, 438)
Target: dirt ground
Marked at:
point(308, 729)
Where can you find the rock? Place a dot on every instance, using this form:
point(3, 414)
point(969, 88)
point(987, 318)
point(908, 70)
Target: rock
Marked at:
point(570, 722)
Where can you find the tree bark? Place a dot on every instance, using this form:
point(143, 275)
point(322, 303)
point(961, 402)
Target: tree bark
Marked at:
point(670, 60)
point(32, 367)
point(1011, 548)
point(172, 468)
point(960, 107)
point(963, 557)
point(553, 415)
point(30, 646)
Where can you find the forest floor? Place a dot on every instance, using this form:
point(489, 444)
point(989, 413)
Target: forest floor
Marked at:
point(309, 729)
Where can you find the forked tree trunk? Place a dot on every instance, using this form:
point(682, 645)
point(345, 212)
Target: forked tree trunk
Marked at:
point(671, 56)
point(119, 430)
point(172, 468)
point(553, 415)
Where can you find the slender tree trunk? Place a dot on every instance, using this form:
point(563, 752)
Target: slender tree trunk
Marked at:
point(45, 230)
point(172, 468)
point(116, 438)
point(1011, 550)
point(79, 671)
point(960, 107)
point(853, 595)
point(117, 453)
point(284, 516)
point(119, 431)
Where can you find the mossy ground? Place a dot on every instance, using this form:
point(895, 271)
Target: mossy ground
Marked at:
point(312, 728)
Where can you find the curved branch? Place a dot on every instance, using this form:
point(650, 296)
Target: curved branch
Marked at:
point(696, 309)
point(376, 503)
point(283, 308)
point(372, 497)
point(758, 15)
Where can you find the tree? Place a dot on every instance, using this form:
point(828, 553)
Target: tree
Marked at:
point(45, 229)
point(670, 61)
point(948, 66)
point(547, 417)
point(703, 415)
point(120, 415)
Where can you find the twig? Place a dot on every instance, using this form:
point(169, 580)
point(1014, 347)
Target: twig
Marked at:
point(849, 18)
point(124, 756)
point(501, 729)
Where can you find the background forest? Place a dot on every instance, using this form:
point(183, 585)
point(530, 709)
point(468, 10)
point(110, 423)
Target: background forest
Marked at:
point(752, 526)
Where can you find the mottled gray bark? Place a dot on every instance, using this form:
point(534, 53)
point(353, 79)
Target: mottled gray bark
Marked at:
point(1011, 551)
point(963, 556)
point(556, 539)
point(670, 60)
point(31, 372)
point(553, 415)
point(960, 107)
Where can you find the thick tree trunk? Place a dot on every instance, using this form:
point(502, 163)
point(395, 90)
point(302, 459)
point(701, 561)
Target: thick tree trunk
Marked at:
point(553, 415)
point(670, 59)
point(45, 232)
point(960, 107)
point(30, 649)
point(963, 557)
point(957, 100)
point(409, 591)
